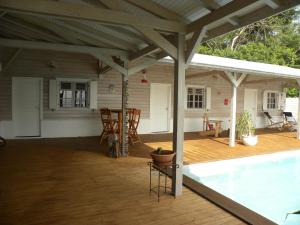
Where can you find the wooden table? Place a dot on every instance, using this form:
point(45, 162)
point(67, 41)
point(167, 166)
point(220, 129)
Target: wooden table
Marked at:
point(218, 128)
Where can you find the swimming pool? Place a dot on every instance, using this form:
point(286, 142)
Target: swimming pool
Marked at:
point(268, 184)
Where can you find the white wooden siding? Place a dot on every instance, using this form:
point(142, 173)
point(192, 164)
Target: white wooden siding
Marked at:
point(37, 63)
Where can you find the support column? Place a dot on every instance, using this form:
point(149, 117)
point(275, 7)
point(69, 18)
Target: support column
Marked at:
point(178, 115)
point(232, 117)
point(124, 142)
point(235, 81)
point(298, 120)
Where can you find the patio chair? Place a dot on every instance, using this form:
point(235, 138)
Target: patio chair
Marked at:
point(289, 121)
point(109, 125)
point(207, 126)
point(272, 123)
point(133, 123)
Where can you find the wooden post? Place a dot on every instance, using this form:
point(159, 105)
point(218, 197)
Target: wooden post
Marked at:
point(178, 115)
point(232, 117)
point(124, 142)
point(235, 83)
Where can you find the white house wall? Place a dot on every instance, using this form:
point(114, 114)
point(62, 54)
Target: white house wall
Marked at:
point(70, 123)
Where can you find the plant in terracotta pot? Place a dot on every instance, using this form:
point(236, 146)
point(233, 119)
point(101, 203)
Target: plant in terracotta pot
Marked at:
point(162, 157)
point(246, 129)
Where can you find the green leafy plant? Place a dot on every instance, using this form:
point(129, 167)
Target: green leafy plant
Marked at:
point(159, 150)
point(245, 126)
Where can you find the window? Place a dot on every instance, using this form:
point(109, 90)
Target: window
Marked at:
point(73, 94)
point(195, 98)
point(274, 100)
point(271, 100)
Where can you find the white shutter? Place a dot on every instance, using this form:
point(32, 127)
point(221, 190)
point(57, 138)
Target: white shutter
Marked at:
point(281, 100)
point(208, 98)
point(265, 100)
point(53, 94)
point(93, 95)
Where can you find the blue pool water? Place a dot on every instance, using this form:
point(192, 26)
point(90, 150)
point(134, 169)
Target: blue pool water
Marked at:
point(267, 184)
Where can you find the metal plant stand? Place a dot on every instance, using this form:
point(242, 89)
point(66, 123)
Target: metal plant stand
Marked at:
point(162, 176)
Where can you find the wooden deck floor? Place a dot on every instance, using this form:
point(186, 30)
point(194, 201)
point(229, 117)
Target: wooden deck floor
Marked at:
point(204, 149)
point(69, 181)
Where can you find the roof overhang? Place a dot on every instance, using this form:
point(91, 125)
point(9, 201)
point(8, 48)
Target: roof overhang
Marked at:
point(241, 66)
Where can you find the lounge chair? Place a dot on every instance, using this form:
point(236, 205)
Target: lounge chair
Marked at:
point(272, 123)
point(289, 121)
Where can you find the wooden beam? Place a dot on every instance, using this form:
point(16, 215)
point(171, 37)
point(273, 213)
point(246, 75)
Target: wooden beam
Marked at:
point(201, 75)
point(44, 35)
point(233, 78)
point(210, 4)
point(143, 52)
point(97, 35)
point(111, 62)
point(274, 4)
point(11, 60)
point(233, 21)
point(156, 9)
point(178, 116)
point(60, 47)
point(250, 18)
point(225, 11)
point(144, 63)
point(193, 44)
point(241, 79)
point(69, 11)
point(69, 37)
point(262, 81)
point(159, 40)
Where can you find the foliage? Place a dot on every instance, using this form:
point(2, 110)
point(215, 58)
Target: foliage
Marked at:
point(292, 92)
point(245, 126)
point(275, 40)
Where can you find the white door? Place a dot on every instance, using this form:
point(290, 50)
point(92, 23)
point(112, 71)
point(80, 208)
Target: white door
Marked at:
point(250, 103)
point(26, 106)
point(159, 107)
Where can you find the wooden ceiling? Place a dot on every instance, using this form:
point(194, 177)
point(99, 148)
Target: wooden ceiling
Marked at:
point(138, 32)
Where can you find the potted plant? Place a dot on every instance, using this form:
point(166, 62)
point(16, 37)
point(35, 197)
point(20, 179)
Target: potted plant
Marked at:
point(246, 129)
point(162, 157)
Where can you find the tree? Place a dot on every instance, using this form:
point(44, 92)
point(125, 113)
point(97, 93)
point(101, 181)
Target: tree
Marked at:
point(275, 40)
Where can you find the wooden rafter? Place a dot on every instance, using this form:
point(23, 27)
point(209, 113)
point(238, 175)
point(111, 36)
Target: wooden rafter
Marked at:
point(210, 4)
point(60, 47)
point(70, 11)
point(69, 37)
point(142, 53)
point(201, 74)
point(193, 44)
point(96, 35)
point(45, 35)
point(229, 9)
point(252, 17)
point(274, 4)
point(156, 9)
point(159, 40)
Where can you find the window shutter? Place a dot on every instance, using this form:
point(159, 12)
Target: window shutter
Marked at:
point(265, 100)
point(93, 95)
point(281, 100)
point(53, 94)
point(208, 98)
